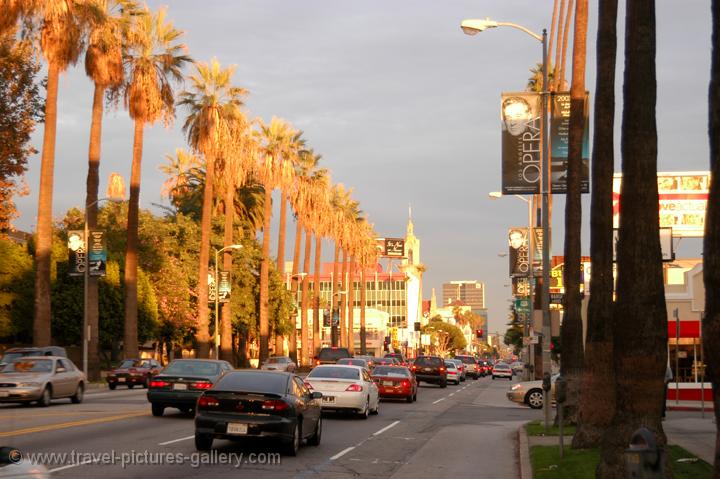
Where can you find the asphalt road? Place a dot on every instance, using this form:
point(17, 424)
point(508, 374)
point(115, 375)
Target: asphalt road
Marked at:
point(460, 431)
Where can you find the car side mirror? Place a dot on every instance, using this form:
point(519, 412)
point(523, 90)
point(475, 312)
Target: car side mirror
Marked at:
point(316, 395)
point(60, 369)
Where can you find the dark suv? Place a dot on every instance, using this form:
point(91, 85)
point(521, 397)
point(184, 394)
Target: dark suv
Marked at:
point(473, 369)
point(430, 369)
point(331, 355)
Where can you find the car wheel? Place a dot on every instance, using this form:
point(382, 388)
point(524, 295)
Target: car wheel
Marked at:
point(131, 385)
point(44, 400)
point(314, 440)
point(146, 383)
point(534, 399)
point(112, 386)
point(366, 410)
point(376, 411)
point(493, 377)
point(510, 378)
point(203, 442)
point(443, 383)
point(79, 393)
point(409, 398)
point(291, 448)
point(157, 409)
point(475, 377)
point(415, 396)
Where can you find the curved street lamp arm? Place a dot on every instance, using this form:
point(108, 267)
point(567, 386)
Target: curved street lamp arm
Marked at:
point(520, 27)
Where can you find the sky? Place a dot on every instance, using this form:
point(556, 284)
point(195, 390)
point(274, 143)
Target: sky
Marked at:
point(402, 106)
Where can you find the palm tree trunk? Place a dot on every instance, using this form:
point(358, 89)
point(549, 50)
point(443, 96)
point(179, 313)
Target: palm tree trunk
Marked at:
point(711, 242)
point(226, 326)
point(281, 234)
point(363, 333)
point(334, 332)
point(562, 83)
point(351, 306)
point(640, 315)
point(597, 390)
point(91, 207)
point(553, 28)
point(264, 278)
point(43, 247)
point(295, 270)
point(202, 336)
point(558, 46)
point(304, 336)
point(317, 321)
point(130, 349)
point(343, 299)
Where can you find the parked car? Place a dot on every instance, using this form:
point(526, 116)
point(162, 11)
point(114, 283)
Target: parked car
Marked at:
point(453, 373)
point(473, 370)
point(256, 405)
point(354, 362)
point(182, 382)
point(461, 368)
point(502, 370)
point(395, 382)
point(279, 363)
point(345, 388)
point(133, 372)
point(531, 392)
point(517, 367)
point(331, 355)
point(41, 379)
point(13, 354)
point(398, 356)
point(430, 369)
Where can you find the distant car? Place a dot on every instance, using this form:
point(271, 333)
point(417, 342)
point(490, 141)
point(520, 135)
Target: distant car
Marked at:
point(256, 405)
point(345, 388)
point(473, 369)
point(279, 363)
point(331, 355)
point(181, 383)
point(430, 369)
point(461, 367)
point(517, 367)
point(41, 379)
point(453, 373)
point(387, 362)
point(133, 372)
point(395, 382)
point(398, 356)
point(355, 362)
point(370, 360)
point(13, 354)
point(530, 392)
point(502, 370)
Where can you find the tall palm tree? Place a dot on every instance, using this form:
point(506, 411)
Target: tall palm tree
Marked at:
point(640, 314)
point(13, 11)
point(293, 154)
point(153, 58)
point(63, 27)
point(597, 390)
point(214, 106)
point(561, 82)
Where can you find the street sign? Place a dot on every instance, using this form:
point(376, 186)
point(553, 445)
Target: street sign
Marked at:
point(522, 305)
point(395, 247)
point(211, 288)
point(527, 340)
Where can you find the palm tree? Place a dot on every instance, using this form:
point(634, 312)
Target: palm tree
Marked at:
point(214, 106)
point(597, 390)
point(14, 10)
point(640, 315)
point(153, 59)
point(104, 65)
point(63, 27)
point(561, 82)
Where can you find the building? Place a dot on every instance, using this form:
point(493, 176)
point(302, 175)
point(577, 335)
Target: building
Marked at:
point(472, 293)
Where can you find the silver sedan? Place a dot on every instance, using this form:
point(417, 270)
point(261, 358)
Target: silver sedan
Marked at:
point(530, 392)
point(279, 363)
point(41, 379)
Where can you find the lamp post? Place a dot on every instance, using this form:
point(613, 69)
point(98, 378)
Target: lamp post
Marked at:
point(473, 27)
point(217, 296)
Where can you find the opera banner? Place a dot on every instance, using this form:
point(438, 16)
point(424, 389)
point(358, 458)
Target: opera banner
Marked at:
point(519, 252)
point(560, 143)
point(521, 118)
point(76, 253)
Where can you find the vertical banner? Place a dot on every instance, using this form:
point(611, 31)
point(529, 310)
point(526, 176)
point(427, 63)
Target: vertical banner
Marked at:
point(521, 117)
point(560, 141)
point(97, 253)
point(76, 253)
point(519, 252)
point(212, 287)
point(537, 249)
point(224, 287)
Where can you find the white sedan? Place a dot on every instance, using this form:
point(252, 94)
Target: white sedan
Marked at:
point(345, 388)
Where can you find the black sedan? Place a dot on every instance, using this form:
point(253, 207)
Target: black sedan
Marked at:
point(181, 383)
point(252, 404)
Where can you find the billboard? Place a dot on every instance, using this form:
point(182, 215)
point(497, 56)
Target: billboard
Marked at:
point(521, 119)
point(682, 202)
point(560, 143)
point(519, 252)
point(394, 247)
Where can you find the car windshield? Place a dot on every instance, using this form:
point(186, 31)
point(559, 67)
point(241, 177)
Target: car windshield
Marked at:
point(502, 366)
point(333, 372)
point(253, 382)
point(130, 363)
point(276, 360)
point(450, 365)
point(29, 366)
point(353, 362)
point(467, 359)
point(333, 354)
point(390, 371)
point(202, 368)
point(428, 362)
point(10, 357)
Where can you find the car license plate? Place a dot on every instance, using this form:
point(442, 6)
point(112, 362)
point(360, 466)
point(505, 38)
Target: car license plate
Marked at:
point(4, 394)
point(180, 386)
point(328, 399)
point(388, 383)
point(237, 428)
point(427, 370)
point(121, 380)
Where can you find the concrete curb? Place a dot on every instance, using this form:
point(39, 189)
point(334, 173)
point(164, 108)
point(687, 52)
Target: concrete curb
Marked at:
point(524, 453)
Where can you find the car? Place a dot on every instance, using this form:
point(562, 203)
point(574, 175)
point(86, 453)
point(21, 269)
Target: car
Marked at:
point(13, 354)
point(41, 379)
point(251, 404)
point(531, 392)
point(502, 370)
point(517, 367)
point(133, 372)
point(398, 356)
point(279, 363)
point(182, 382)
point(473, 369)
point(331, 355)
point(430, 369)
point(395, 382)
point(453, 373)
point(370, 360)
point(345, 388)
point(484, 368)
point(387, 362)
point(461, 367)
point(355, 362)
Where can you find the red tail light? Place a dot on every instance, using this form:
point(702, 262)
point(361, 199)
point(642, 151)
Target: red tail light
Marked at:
point(354, 388)
point(207, 401)
point(317, 363)
point(159, 384)
point(442, 369)
point(414, 368)
point(308, 385)
point(201, 385)
point(406, 384)
point(275, 405)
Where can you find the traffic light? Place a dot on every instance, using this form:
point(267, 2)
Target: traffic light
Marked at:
point(479, 333)
point(417, 326)
point(386, 343)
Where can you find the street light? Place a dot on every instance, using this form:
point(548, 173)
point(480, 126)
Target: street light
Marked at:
point(217, 296)
point(472, 27)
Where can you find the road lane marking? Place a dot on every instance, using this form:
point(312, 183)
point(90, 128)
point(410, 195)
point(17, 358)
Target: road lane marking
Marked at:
point(69, 466)
point(451, 394)
point(441, 399)
point(175, 440)
point(386, 428)
point(64, 425)
point(342, 453)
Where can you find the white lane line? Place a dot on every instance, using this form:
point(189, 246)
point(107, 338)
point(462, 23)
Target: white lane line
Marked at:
point(58, 469)
point(176, 440)
point(441, 399)
point(342, 453)
point(386, 428)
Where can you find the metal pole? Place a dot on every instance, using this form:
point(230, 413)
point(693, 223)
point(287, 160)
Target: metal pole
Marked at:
point(529, 315)
point(676, 312)
point(86, 274)
point(546, 188)
point(217, 308)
